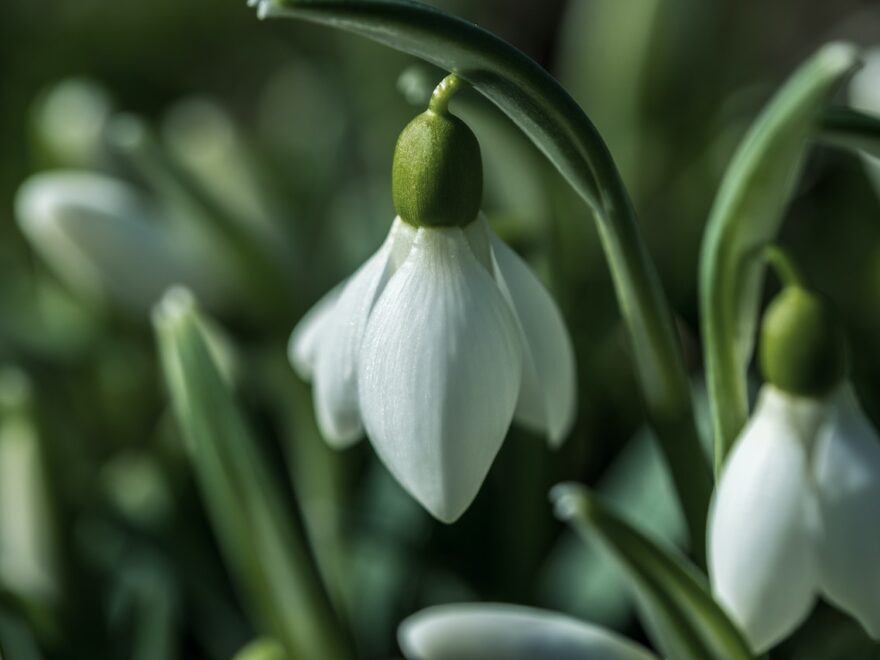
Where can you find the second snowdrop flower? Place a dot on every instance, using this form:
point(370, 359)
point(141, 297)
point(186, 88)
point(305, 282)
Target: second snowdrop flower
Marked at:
point(102, 237)
point(795, 512)
point(443, 336)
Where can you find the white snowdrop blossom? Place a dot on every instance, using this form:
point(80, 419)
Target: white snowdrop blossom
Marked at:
point(105, 239)
point(433, 346)
point(488, 631)
point(795, 516)
point(443, 336)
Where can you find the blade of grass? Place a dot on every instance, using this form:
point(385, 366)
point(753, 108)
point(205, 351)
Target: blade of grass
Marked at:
point(266, 551)
point(684, 620)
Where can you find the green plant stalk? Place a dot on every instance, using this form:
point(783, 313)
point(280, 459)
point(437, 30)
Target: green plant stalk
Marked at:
point(546, 113)
point(266, 550)
point(745, 218)
point(674, 598)
point(136, 141)
point(786, 269)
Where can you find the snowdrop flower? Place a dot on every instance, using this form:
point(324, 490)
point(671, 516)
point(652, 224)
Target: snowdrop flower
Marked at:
point(102, 237)
point(795, 512)
point(485, 631)
point(443, 336)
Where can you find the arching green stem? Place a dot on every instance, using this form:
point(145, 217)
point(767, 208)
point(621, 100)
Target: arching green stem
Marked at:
point(784, 265)
point(443, 93)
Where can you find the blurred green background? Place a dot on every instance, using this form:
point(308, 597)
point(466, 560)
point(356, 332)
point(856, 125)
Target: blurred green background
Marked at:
point(288, 130)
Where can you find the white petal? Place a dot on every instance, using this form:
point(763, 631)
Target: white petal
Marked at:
point(847, 470)
point(493, 631)
point(439, 373)
point(761, 559)
point(302, 348)
point(401, 238)
point(477, 234)
point(547, 397)
point(335, 365)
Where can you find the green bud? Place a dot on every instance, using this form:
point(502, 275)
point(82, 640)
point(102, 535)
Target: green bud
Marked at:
point(803, 349)
point(437, 174)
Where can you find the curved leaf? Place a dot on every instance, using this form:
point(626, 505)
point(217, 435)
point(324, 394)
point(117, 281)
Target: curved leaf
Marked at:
point(639, 485)
point(267, 553)
point(684, 620)
point(546, 113)
point(746, 215)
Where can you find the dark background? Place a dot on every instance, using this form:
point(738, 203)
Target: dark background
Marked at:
point(671, 84)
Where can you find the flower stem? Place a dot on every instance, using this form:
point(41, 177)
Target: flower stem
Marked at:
point(443, 94)
point(657, 354)
point(784, 266)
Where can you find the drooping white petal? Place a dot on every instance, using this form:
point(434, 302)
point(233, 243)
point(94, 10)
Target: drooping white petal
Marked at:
point(547, 395)
point(761, 558)
point(336, 358)
point(490, 631)
point(439, 372)
point(847, 472)
point(302, 348)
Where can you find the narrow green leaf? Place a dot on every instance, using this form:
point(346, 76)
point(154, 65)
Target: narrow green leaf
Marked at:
point(28, 533)
point(680, 613)
point(266, 552)
point(850, 129)
point(746, 215)
point(546, 113)
point(639, 485)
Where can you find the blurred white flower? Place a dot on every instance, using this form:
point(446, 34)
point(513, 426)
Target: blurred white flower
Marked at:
point(486, 631)
point(795, 516)
point(104, 239)
point(433, 346)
